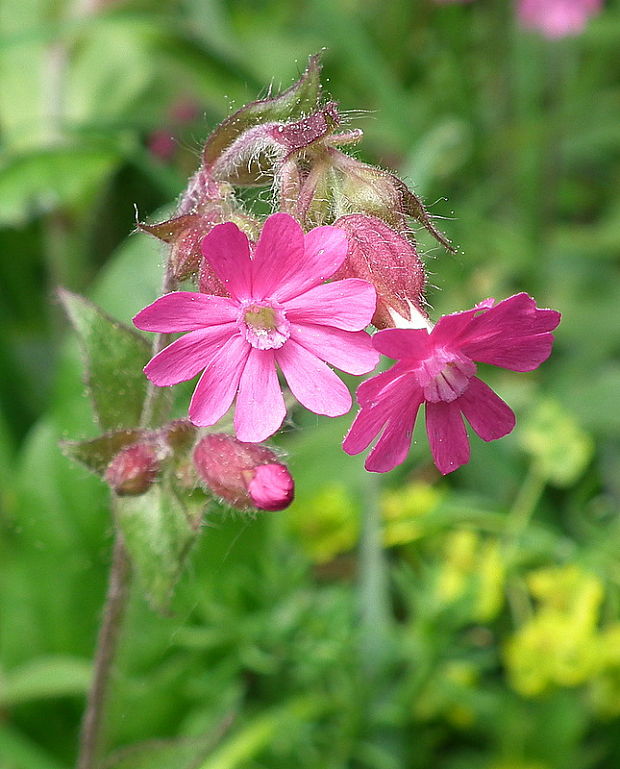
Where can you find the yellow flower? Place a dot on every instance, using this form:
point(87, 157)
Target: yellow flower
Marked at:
point(473, 567)
point(404, 510)
point(560, 644)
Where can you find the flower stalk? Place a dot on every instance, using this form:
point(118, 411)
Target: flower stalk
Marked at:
point(107, 645)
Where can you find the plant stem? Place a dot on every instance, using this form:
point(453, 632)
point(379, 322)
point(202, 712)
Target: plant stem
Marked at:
point(107, 644)
point(115, 603)
point(373, 585)
point(525, 504)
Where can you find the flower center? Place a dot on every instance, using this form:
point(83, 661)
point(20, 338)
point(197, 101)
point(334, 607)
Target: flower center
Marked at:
point(445, 376)
point(264, 324)
point(261, 318)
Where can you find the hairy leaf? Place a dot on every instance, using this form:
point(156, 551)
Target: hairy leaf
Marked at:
point(97, 453)
point(114, 356)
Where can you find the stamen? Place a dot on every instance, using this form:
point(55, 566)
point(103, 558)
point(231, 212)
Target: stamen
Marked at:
point(261, 317)
point(264, 325)
point(449, 382)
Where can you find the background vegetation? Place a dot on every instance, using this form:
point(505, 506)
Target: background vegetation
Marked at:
point(486, 634)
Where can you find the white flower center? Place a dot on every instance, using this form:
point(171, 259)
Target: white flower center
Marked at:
point(445, 376)
point(264, 324)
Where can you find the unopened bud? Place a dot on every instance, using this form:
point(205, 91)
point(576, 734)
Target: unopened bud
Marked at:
point(365, 189)
point(272, 487)
point(245, 475)
point(133, 470)
point(388, 260)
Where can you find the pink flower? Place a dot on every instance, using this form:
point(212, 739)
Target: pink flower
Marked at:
point(557, 18)
point(278, 313)
point(437, 368)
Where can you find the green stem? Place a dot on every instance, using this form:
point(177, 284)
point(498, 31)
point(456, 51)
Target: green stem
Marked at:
point(525, 504)
point(107, 644)
point(114, 609)
point(373, 584)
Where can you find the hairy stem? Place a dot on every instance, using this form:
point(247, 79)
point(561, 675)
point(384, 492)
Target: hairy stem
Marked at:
point(114, 608)
point(107, 644)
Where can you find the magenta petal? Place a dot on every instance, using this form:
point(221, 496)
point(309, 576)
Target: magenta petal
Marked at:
point(325, 249)
point(403, 343)
point(366, 426)
point(272, 487)
point(513, 334)
point(450, 327)
point(185, 311)
point(278, 256)
point(521, 354)
point(347, 304)
point(217, 387)
point(312, 382)
point(393, 446)
point(227, 250)
point(517, 315)
point(350, 351)
point(260, 406)
point(373, 389)
point(384, 397)
point(485, 411)
point(186, 356)
point(447, 436)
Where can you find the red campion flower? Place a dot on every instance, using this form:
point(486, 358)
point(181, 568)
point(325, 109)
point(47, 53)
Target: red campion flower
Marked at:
point(438, 368)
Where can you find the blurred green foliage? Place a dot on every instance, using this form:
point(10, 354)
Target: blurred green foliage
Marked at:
point(499, 644)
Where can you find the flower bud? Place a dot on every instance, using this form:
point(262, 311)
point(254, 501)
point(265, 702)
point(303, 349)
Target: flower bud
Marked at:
point(388, 260)
point(133, 470)
point(245, 475)
point(272, 487)
point(362, 188)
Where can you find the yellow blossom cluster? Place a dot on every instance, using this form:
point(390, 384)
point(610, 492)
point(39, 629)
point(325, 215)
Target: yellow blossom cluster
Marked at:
point(329, 523)
point(472, 568)
point(562, 643)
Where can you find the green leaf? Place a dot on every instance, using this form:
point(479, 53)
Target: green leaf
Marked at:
point(249, 742)
point(97, 453)
point(114, 358)
point(182, 753)
point(159, 531)
point(101, 87)
point(298, 100)
point(40, 181)
point(45, 677)
point(24, 59)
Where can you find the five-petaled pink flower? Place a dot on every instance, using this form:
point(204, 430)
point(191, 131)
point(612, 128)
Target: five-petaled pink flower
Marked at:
point(278, 312)
point(438, 369)
point(557, 18)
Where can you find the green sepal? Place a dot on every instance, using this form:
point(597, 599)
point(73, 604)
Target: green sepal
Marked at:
point(413, 206)
point(97, 453)
point(114, 356)
point(298, 100)
point(171, 229)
